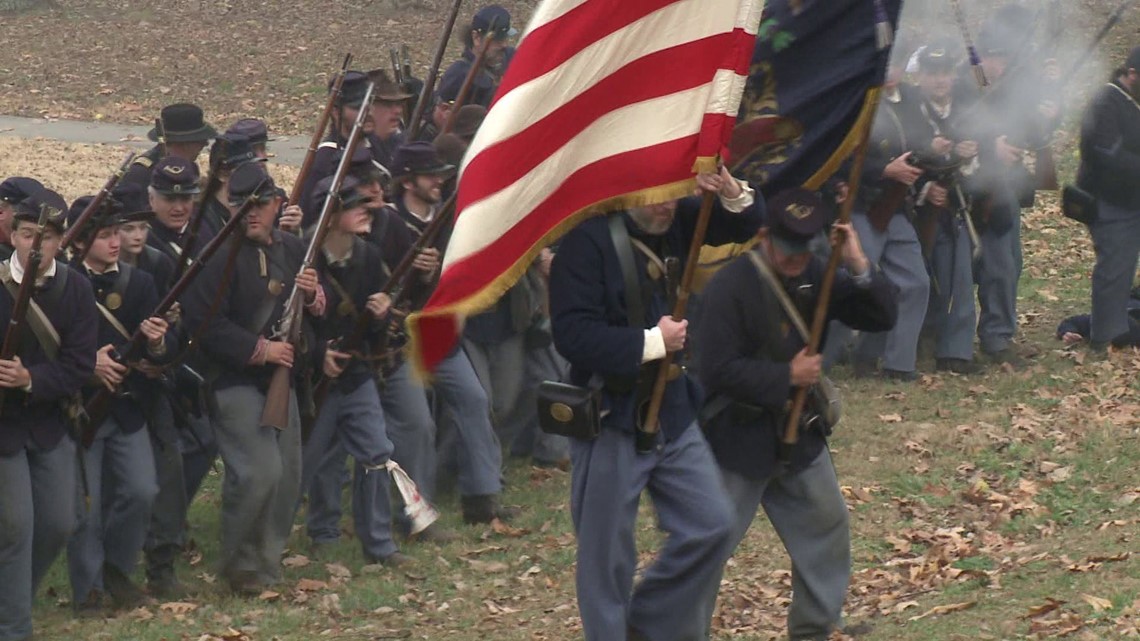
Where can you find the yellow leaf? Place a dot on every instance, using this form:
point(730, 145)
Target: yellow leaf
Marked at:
point(944, 609)
point(890, 418)
point(1098, 604)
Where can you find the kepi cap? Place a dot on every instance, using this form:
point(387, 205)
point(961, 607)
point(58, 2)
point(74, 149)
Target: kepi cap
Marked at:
point(174, 176)
point(244, 182)
point(29, 208)
point(17, 188)
point(496, 19)
point(348, 195)
point(418, 158)
point(795, 216)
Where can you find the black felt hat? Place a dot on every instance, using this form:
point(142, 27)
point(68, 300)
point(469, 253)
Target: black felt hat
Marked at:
point(111, 212)
point(183, 122)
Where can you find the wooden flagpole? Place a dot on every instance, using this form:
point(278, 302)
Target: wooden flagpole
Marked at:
point(792, 432)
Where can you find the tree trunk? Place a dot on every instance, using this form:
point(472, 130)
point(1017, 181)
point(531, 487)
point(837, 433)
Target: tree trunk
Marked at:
point(17, 5)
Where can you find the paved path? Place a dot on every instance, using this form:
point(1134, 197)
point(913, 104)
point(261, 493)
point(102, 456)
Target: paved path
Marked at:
point(289, 150)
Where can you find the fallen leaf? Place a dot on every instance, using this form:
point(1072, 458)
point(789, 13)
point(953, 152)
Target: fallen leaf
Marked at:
point(891, 418)
point(311, 585)
point(295, 561)
point(269, 595)
point(1045, 608)
point(944, 609)
point(1098, 604)
point(505, 530)
point(178, 607)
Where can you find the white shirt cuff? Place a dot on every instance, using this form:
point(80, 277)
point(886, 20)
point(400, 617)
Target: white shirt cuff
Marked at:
point(654, 348)
point(743, 201)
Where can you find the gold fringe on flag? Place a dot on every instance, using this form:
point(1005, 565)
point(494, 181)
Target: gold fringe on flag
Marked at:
point(488, 295)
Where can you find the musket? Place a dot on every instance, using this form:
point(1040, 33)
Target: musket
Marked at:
point(319, 132)
point(18, 320)
point(395, 288)
point(397, 71)
point(405, 62)
point(648, 427)
point(213, 184)
point(100, 404)
point(469, 81)
point(972, 52)
point(791, 434)
point(160, 136)
point(95, 204)
point(276, 411)
point(1113, 20)
point(433, 73)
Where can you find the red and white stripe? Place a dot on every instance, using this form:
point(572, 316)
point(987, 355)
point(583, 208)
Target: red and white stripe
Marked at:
point(604, 98)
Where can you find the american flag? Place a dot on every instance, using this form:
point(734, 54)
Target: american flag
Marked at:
point(607, 104)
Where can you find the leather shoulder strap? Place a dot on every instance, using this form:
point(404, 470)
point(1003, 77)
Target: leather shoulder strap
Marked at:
point(769, 277)
point(634, 304)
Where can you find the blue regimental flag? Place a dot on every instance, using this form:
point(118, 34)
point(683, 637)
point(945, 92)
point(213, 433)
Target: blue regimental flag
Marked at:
point(815, 74)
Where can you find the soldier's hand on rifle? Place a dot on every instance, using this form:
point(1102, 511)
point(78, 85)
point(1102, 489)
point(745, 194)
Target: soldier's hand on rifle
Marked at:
point(290, 219)
point(427, 261)
point(335, 362)
point(1008, 154)
point(545, 259)
point(941, 145)
point(937, 195)
point(307, 282)
point(853, 256)
point(900, 170)
point(721, 183)
point(673, 332)
point(154, 328)
point(279, 353)
point(149, 369)
point(966, 149)
point(175, 314)
point(109, 371)
point(378, 305)
point(13, 374)
point(805, 370)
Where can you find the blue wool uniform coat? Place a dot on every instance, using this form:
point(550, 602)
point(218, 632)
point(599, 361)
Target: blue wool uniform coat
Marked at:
point(138, 301)
point(588, 310)
point(747, 346)
point(38, 417)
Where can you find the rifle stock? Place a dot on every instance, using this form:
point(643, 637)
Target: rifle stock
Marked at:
point(394, 288)
point(95, 203)
point(100, 404)
point(160, 136)
point(888, 203)
point(18, 320)
point(429, 83)
point(276, 411)
point(319, 132)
